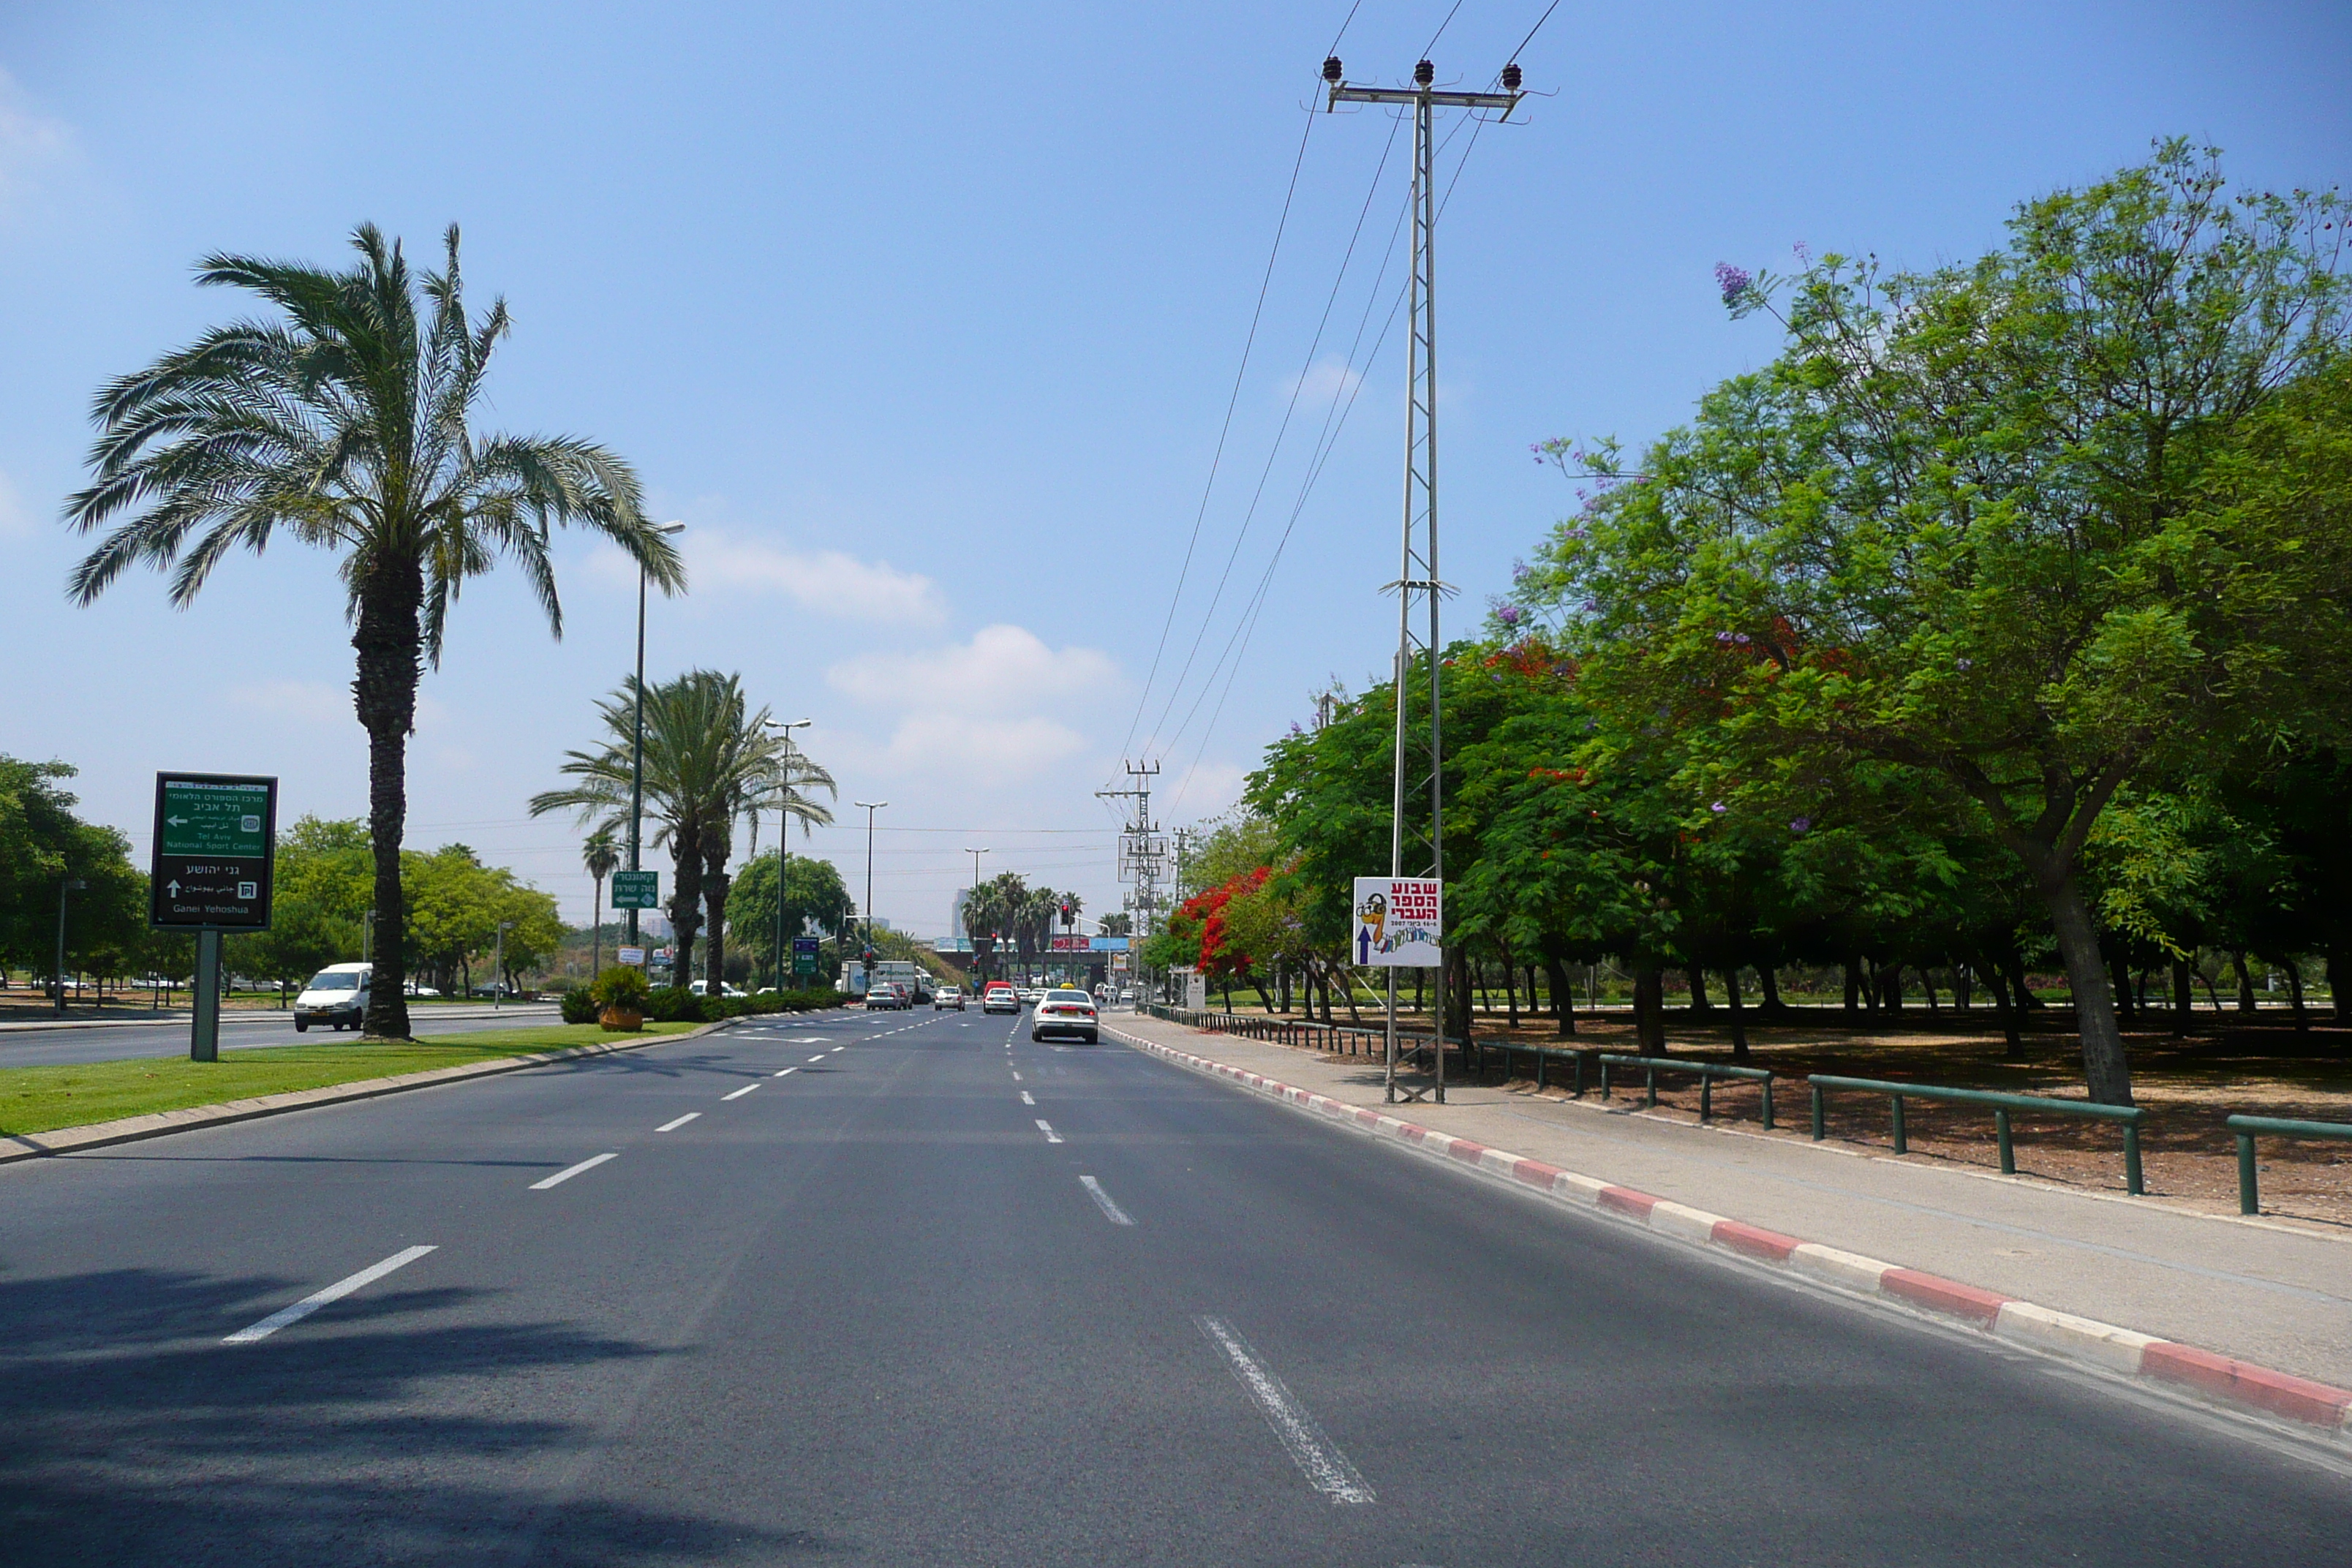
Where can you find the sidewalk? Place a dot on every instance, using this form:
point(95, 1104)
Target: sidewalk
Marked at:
point(2274, 1293)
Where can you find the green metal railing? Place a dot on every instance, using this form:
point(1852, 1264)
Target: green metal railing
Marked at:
point(2001, 1105)
point(2248, 1128)
point(1707, 1073)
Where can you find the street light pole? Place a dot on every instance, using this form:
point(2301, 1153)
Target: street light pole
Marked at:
point(638, 746)
point(971, 906)
point(785, 837)
point(65, 885)
point(867, 958)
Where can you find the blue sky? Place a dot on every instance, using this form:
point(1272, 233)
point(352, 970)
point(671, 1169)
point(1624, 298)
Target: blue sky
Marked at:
point(924, 319)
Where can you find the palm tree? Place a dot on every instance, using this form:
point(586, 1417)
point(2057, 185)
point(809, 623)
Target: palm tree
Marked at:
point(346, 425)
point(600, 853)
point(709, 761)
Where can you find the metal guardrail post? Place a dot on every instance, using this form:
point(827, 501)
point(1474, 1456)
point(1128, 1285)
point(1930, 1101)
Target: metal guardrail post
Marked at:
point(2131, 1160)
point(1604, 1077)
point(2007, 1151)
point(1650, 1086)
point(1821, 1127)
point(1706, 1098)
point(2250, 1200)
point(1768, 1105)
point(1902, 1144)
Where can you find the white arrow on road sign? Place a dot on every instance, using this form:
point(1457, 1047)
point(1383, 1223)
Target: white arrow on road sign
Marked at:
point(171, 888)
point(176, 821)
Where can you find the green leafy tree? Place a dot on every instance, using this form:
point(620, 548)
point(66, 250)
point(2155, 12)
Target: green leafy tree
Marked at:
point(346, 424)
point(1968, 523)
point(813, 896)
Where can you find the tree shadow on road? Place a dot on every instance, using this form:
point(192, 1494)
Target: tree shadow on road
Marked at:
point(377, 1431)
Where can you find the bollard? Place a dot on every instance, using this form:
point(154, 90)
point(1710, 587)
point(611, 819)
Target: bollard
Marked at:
point(1706, 1098)
point(1820, 1128)
point(1902, 1144)
point(2008, 1152)
point(2132, 1183)
point(2250, 1199)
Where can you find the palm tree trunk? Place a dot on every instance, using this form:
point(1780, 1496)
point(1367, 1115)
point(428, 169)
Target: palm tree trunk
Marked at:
point(686, 898)
point(716, 885)
point(596, 933)
point(390, 643)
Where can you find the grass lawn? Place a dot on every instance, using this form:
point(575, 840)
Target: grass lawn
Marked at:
point(43, 1099)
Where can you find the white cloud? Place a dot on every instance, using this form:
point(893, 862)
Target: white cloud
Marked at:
point(1003, 668)
point(829, 582)
point(987, 710)
point(1204, 790)
point(304, 702)
point(32, 144)
point(1324, 380)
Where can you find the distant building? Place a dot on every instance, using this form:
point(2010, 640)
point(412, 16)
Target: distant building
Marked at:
point(955, 913)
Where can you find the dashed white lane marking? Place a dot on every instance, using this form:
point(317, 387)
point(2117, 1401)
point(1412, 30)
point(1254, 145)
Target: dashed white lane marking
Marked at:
point(1047, 1129)
point(786, 1073)
point(318, 1299)
point(1111, 1211)
point(1026, 1100)
point(836, 1050)
point(819, 1056)
point(740, 1092)
point(674, 1126)
point(1327, 1470)
point(1017, 1077)
point(560, 1177)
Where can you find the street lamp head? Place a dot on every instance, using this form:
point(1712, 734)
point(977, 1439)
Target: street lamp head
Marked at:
point(669, 528)
point(869, 804)
point(796, 725)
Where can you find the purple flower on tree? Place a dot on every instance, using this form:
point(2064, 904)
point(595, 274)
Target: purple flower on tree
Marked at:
point(1801, 825)
point(1718, 808)
point(1733, 280)
point(1508, 615)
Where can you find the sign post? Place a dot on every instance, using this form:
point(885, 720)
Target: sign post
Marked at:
point(1400, 924)
point(215, 845)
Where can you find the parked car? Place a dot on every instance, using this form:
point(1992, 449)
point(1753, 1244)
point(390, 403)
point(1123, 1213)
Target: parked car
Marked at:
point(947, 997)
point(416, 990)
point(1000, 999)
point(337, 996)
point(702, 988)
point(1065, 1012)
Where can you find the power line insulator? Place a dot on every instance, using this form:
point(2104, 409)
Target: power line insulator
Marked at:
point(1423, 74)
point(1511, 77)
point(1332, 72)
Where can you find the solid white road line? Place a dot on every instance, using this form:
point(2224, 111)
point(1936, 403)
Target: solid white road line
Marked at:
point(1316, 1456)
point(1047, 1129)
point(335, 1293)
point(1026, 1100)
point(1111, 1211)
point(560, 1177)
point(674, 1126)
point(786, 1073)
point(740, 1092)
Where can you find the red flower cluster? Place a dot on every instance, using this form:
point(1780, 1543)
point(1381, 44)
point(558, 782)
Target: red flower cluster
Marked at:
point(1208, 908)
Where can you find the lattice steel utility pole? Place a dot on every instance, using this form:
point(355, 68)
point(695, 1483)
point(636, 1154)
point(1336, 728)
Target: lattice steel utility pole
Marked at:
point(1418, 577)
point(1141, 850)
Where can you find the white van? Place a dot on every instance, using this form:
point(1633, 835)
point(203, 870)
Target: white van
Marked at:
point(337, 994)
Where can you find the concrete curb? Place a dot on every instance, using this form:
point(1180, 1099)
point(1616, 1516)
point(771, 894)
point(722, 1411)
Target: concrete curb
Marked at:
point(2238, 1386)
point(163, 1123)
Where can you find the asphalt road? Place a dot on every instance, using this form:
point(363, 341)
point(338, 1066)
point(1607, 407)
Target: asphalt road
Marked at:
point(124, 1042)
point(909, 1289)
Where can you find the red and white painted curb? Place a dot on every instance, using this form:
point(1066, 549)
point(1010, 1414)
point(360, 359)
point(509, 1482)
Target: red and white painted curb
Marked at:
point(2233, 1382)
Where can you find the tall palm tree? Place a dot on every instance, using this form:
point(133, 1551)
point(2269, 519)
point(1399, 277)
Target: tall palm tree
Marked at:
point(600, 853)
point(346, 425)
point(710, 762)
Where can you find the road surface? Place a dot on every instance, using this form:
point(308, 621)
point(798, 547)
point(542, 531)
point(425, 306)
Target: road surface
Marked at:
point(910, 1289)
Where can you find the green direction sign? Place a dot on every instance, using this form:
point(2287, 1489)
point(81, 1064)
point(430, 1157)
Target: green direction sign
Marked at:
point(214, 816)
point(637, 890)
point(805, 954)
point(215, 838)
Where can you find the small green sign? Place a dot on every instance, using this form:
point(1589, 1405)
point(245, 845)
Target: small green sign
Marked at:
point(205, 817)
point(637, 890)
point(805, 954)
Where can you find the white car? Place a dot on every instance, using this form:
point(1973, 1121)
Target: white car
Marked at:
point(1065, 1012)
point(947, 997)
point(702, 988)
point(1031, 995)
point(1000, 999)
point(337, 996)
